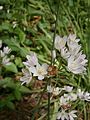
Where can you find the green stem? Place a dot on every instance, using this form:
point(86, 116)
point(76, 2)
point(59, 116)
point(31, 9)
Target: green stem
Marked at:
point(52, 61)
point(50, 6)
point(88, 39)
point(85, 117)
point(55, 33)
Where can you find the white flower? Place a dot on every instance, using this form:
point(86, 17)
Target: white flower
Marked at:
point(68, 88)
point(87, 96)
point(0, 43)
point(60, 42)
point(72, 38)
point(63, 101)
point(6, 50)
point(65, 53)
point(83, 95)
point(62, 115)
point(49, 89)
point(80, 94)
point(72, 115)
point(39, 70)
point(27, 76)
point(74, 48)
point(77, 64)
point(73, 96)
point(70, 97)
point(1, 7)
point(31, 60)
point(57, 91)
point(67, 97)
point(6, 61)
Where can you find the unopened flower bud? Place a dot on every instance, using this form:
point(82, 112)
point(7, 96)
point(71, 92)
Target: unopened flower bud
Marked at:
point(53, 54)
point(0, 43)
point(1, 7)
point(49, 89)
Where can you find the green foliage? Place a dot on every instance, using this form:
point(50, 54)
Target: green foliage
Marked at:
point(12, 68)
point(28, 25)
point(13, 90)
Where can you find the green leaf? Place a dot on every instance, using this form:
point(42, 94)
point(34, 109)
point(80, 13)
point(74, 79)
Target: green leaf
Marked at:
point(17, 94)
point(2, 103)
point(70, 2)
point(24, 89)
point(55, 111)
point(21, 34)
point(10, 105)
point(6, 26)
point(7, 82)
point(12, 68)
point(18, 62)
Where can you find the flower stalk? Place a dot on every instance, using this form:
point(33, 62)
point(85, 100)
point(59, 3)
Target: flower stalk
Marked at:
point(52, 60)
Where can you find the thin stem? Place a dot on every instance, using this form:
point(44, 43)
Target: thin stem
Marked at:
point(88, 40)
point(49, 102)
point(52, 61)
point(55, 32)
point(50, 6)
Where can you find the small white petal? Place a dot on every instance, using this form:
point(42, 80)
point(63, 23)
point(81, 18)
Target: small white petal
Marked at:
point(40, 77)
point(33, 70)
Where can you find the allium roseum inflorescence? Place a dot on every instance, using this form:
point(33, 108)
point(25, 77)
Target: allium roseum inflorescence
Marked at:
point(27, 76)
point(64, 115)
point(71, 51)
point(4, 52)
point(33, 69)
point(67, 99)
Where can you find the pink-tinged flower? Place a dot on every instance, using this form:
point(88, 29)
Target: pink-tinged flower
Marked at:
point(60, 42)
point(39, 70)
point(70, 97)
point(63, 101)
point(74, 48)
point(87, 96)
point(80, 94)
point(6, 50)
point(72, 115)
point(62, 115)
point(76, 64)
point(83, 95)
point(6, 61)
point(65, 53)
point(67, 88)
point(27, 76)
point(72, 38)
point(32, 60)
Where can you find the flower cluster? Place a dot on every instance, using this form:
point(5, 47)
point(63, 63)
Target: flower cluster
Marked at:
point(71, 51)
point(4, 52)
point(83, 95)
point(67, 99)
point(63, 115)
point(33, 68)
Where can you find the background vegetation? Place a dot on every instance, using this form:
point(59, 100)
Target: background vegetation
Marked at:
point(28, 25)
